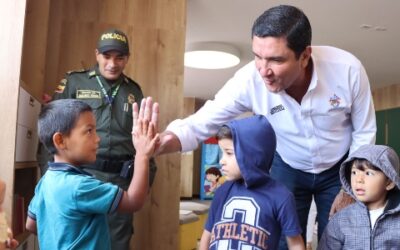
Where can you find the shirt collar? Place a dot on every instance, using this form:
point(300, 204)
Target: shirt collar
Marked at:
point(314, 76)
point(61, 166)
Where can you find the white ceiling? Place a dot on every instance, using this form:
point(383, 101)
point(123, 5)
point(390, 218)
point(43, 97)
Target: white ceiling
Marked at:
point(336, 23)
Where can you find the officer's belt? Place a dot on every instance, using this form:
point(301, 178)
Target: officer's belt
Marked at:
point(112, 165)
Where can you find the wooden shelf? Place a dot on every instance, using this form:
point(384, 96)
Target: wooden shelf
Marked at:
point(27, 164)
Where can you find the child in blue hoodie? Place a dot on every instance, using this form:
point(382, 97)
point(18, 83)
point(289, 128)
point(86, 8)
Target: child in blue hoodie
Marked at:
point(250, 209)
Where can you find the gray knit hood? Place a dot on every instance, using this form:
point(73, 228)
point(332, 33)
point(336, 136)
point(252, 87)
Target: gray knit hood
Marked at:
point(382, 157)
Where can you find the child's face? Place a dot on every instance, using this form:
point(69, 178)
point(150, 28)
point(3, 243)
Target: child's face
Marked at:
point(230, 167)
point(82, 143)
point(370, 187)
point(211, 177)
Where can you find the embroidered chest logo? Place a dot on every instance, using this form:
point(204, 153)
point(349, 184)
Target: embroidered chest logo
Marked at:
point(277, 109)
point(334, 100)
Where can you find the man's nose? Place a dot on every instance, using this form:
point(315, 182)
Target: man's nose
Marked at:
point(111, 62)
point(265, 70)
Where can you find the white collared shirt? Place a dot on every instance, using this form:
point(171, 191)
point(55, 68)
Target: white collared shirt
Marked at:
point(336, 113)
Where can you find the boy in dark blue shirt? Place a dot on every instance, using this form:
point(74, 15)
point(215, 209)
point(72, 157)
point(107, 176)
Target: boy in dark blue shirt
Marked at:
point(69, 208)
point(250, 209)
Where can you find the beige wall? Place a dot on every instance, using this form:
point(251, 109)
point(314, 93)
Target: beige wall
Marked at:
point(11, 26)
point(61, 35)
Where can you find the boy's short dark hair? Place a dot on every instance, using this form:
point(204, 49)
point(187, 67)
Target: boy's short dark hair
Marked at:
point(224, 133)
point(59, 116)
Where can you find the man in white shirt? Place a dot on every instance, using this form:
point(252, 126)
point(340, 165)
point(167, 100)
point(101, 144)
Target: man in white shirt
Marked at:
point(317, 99)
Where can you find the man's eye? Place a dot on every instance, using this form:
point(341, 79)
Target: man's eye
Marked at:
point(277, 60)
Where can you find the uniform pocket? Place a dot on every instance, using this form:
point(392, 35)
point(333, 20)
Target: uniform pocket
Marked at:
point(127, 120)
point(93, 103)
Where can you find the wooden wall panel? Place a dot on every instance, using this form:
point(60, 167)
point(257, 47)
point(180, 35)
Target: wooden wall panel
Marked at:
point(191, 161)
point(34, 46)
point(12, 15)
point(156, 30)
point(387, 97)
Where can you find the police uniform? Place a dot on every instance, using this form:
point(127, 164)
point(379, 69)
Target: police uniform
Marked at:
point(113, 125)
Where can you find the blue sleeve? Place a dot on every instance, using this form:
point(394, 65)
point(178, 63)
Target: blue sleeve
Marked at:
point(287, 216)
point(211, 215)
point(94, 196)
point(218, 200)
point(33, 207)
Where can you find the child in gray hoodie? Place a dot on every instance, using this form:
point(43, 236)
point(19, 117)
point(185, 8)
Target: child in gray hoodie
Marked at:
point(371, 176)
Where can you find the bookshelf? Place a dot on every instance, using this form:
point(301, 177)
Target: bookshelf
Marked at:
point(26, 171)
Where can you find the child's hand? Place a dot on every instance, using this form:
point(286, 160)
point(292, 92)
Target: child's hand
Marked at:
point(144, 131)
point(11, 242)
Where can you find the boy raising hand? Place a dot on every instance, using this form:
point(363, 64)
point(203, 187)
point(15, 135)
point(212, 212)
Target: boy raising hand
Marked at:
point(69, 208)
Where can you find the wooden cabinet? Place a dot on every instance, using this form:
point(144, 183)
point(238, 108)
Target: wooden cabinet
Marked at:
point(26, 173)
point(27, 136)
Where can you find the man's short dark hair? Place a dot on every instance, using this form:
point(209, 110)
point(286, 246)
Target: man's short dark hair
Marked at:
point(59, 116)
point(285, 21)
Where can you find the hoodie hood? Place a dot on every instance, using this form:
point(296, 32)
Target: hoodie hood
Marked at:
point(382, 157)
point(254, 143)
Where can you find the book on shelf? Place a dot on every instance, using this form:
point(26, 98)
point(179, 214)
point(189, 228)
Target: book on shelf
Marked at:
point(19, 215)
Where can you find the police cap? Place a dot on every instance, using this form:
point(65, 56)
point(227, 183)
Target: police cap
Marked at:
point(113, 39)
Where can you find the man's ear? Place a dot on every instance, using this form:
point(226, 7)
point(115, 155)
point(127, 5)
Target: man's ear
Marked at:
point(305, 56)
point(390, 185)
point(59, 141)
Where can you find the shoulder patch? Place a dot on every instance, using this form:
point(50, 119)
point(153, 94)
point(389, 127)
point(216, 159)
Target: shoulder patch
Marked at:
point(76, 71)
point(131, 99)
point(60, 88)
point(129, 80)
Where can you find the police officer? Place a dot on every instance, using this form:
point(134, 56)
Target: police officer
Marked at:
point(111, 94)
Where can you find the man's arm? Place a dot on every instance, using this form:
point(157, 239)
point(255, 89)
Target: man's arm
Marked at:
point(295, 242)
point(362, 112)
point(169, 143)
